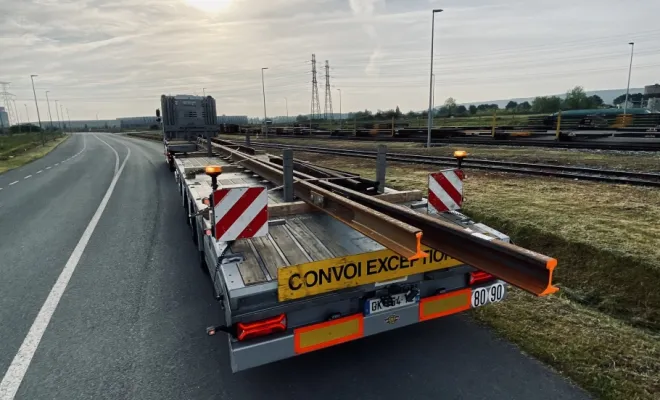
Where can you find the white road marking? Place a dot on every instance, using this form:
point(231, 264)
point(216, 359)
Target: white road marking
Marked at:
point(19, 365)
point(49, 167)
point(40, 171)
point(113, 149)
point(0, 188)
point(13, 183)
point(56, 164)
point(29, 176)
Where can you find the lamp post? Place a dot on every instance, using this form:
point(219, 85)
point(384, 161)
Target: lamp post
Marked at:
point(428, 138)
point(43, 141)
point(204, 91)
point(62, 114)
point(341, 119)
point(632, 49)
point(59, 119)
point(263, 88)
point(50, 116)
point(433, 97)
point(69, 118)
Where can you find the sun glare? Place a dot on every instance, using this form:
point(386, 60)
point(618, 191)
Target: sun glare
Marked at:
point(209, 5)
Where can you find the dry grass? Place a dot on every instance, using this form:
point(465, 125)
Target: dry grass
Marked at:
point(602, 331)
point(36, 151)
point(595, 158)
point(603, 355)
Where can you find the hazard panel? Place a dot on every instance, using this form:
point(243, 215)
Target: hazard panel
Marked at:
point(298, 281)
point(326, 334)
point(444, 304)
point(445, 191)
point(240, 213)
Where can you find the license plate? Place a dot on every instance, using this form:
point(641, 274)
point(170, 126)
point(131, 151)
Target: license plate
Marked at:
point(375, 306)
point(488, 294)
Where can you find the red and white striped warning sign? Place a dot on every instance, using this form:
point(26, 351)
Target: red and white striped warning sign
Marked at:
point(445, 191)
point(240, 212)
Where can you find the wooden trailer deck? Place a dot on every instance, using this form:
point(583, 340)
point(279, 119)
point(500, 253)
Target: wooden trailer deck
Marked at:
point(297, 234)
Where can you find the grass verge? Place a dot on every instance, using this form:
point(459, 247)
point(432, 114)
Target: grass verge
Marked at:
point(27, 152)
point(602, 330)
point(146, 135)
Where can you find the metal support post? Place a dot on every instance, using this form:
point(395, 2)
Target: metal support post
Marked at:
point(209, 148)
point(287, 163)
point(381, 167)
point(247, 138)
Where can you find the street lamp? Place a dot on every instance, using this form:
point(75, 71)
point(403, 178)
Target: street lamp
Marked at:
point(433, 83)
point(62, 114)
point(341, 119)
point(69, 117)
point(43, 141)
point(632, 49)
point(263, 88)
point(57, 112)
point(49, 114)
point(428, 138)
point(204, 91)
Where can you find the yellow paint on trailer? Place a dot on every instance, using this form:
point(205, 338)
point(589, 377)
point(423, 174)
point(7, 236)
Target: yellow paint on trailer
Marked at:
point(299, 281)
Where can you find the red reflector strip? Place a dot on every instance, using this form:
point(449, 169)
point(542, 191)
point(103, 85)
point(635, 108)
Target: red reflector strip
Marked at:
point(480, 276)
point(444, 304)
point(261, 328)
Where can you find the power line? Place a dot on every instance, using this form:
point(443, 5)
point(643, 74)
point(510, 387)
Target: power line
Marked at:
point(316, 105)
point(6, 97)
point(328, 92)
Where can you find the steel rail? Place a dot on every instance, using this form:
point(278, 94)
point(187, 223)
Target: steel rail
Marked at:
point(398, 236)
point(486, 141)
point(570, 172)
point(520, 267)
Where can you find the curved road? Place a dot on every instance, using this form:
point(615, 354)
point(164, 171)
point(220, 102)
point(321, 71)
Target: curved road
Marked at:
point(101, 297)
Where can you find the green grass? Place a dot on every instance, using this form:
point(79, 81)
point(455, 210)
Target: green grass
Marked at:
point(20, 151)
point(146, 135)
point(603, 328)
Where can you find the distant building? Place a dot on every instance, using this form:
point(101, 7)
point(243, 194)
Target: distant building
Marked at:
point(652, 89)
point(137, 122)
point(233, 119)
point(4, 118)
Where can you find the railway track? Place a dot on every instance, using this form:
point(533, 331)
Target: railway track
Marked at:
point(652, 145)
point(560, 171)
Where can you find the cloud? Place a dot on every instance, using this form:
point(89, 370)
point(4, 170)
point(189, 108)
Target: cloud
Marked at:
point(116, 58)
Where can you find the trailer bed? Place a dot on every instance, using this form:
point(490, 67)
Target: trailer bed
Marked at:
point(292, 239)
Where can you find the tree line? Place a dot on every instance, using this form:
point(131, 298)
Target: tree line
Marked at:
point(575, 99)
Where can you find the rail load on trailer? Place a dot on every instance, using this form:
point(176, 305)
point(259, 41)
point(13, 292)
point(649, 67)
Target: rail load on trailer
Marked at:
point(303, 257)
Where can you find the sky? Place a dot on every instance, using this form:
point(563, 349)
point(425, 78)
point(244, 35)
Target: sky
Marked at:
point(115, 58)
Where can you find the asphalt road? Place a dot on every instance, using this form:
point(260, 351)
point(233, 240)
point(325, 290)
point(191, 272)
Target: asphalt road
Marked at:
point(130, 323)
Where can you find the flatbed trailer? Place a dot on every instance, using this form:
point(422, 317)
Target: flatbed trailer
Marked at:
point(312, 281)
